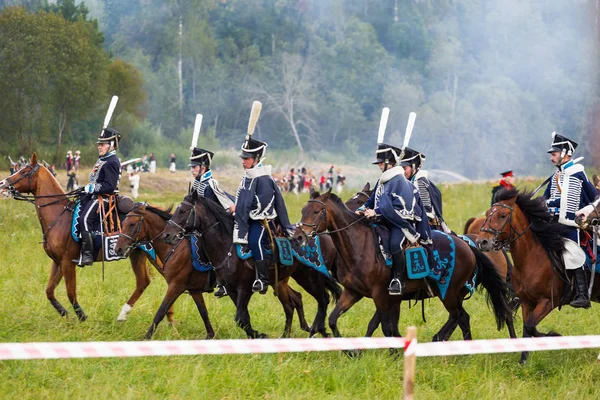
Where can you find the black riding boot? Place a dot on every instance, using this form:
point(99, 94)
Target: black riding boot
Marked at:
point(581, 299)
point(87, 247)
point(261, 284)
point(221, 290)
point(398, 274)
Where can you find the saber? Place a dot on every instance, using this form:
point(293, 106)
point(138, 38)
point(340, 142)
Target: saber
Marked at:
point(111, 109)
point(254, 114)
point(196, 134)
point(382, 124)
point(595, 251)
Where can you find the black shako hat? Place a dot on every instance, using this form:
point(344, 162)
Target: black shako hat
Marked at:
point(201, 157)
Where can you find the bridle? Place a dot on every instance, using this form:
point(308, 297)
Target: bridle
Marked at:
point(29, 175)
point(323, 215)
point(134, 239)
point(181, 230)
point(499, 244)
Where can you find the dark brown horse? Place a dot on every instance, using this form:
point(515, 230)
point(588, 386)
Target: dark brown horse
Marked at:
point(536, 246)
point(55, 213)
point(215, 229)
point(143, 225)
point(499, 258)
point(364, 274)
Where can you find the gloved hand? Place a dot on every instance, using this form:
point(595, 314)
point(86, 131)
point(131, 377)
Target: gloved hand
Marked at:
point(89, 188)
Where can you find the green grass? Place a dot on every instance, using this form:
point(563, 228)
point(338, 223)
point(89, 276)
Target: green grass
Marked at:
point(27, 316)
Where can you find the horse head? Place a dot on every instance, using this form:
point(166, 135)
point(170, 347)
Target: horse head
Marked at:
point(183, 220)
point(314, 217)
point(132, 231)
point(590, 219)
point(360, 198)
point(498, 226)
point(24, 180)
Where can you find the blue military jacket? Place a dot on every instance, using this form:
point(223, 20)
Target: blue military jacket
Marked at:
point(208, 187)
point(258, 198)
point(106, 174)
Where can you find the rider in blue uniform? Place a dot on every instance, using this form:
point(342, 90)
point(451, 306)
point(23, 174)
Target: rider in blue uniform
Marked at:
point(568, 191)
point(207, 187)
point(396, 203)
point(104, 181)
point(258, 199)
point(412, 162)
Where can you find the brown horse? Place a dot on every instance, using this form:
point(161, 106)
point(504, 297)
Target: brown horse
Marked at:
point(364, 274)
point(499, 258)
point(210, 221)
point(536, 246)
point(55, 212)
point(144, 225)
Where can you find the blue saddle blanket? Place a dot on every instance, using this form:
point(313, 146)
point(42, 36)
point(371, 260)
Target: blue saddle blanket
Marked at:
point(200, 260)
point(310, 254)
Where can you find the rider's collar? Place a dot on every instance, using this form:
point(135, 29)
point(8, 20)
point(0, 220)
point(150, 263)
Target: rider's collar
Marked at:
point(566, 165)
point(390, 173)
point(257, 170)
point(206, 176)
point(110, 153)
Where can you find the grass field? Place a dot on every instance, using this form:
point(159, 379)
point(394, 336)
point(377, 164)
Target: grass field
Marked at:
point(26, 316)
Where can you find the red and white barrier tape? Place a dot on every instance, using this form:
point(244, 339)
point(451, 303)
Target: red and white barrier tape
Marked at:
point(29, 351)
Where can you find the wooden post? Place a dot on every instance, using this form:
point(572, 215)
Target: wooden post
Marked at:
point(410, 362)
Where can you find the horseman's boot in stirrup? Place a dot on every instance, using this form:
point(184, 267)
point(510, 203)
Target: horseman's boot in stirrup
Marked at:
point(261, 284)
point(221, 290)
point(398, 274)
point(581, 299)
point(87, 246)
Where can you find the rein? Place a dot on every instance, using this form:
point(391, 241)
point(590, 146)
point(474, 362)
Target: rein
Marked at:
point(322, 215)
point(497, 232)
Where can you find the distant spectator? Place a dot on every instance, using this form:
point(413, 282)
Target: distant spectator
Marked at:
point(322, 180)
point(329, 182)
point(77, 160)
point(291, 180)
point(152, 163)
point(339, 182)
point(72, 184)
point(507, 182)
point(172, 165)
point(134, 183)
point(301, 179)
point(69, 161)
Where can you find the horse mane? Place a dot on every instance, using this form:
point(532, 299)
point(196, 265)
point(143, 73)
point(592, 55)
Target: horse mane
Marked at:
point(340, 203)
point(224, 219)
point(547, 232)
point(164, 214)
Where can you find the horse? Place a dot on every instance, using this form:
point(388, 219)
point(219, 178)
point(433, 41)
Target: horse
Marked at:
point(499, 258)
point(144, 225)
point(363, 273)
point(55, 213)
point(536, 246)
point(210, 220)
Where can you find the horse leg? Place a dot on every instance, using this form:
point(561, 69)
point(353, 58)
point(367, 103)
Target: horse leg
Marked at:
point(71, 283)
point(284, 296)
point(296, 298)
point(242, 316)
point(346, 301)
point(142, 280)
point(531, 318)
point(316, 288)
point(373, 325)
point(201, 306)
point(55, 277)
point(174, 290)
point(394, 305)
point(464, 321)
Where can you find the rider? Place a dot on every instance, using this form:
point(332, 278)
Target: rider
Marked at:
point(258, 199)
point(104, 180)
point(507, 182)
point(412, 162)
point(207, 187)
point(397, 202)
point(568, 191)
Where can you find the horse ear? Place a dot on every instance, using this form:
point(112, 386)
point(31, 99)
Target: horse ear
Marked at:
point(194, 195)
point(314, 194)
point(325, 196)
point(33, 159)
point(367, 187)
point(512, 201)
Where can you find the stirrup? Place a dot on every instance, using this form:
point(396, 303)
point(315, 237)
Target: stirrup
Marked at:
point(221, 291)
point(395, 287)
point(82, 262)
point(259, 286)
point(580, 301)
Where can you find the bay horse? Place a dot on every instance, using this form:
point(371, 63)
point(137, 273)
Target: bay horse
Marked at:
point(536, 246)
point(55, 212)
point(500, 259)
point(144, 225)
point(215, 228)
point(364, 274)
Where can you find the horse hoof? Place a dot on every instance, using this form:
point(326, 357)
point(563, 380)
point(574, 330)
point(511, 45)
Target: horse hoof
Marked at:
point(352, 353)
point(436, 338)
point(82, 317)
point(210, 336)
point(262, 336)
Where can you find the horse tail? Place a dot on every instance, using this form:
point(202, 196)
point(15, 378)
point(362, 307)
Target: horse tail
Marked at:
point(333, 287)
point(468, 224)
point(498, 293)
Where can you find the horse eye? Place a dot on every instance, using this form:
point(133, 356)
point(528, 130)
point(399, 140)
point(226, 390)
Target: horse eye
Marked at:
point(316, 212)
point(503, 216)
